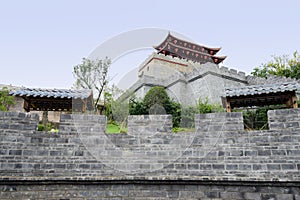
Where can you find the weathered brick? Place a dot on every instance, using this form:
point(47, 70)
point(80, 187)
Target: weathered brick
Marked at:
point(231, 195)
point(268, 196)
point(284, 196)
point(191, 194)
point(15, 152)
point(252, 196)
point(231, 166)
point(36, 140)
point(212, 194)
point(288, 166)
point(245, 167)
point(273, 167)
point(218, 166)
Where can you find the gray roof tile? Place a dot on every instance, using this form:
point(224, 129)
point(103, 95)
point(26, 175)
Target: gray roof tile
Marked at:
point(261, 89)
point(55, 93)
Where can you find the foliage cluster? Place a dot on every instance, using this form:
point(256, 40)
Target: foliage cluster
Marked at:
point(50, 127)
point(284, 66)
point(205, 107)
point(5, 99)
point(157, 101)
point(280, 66)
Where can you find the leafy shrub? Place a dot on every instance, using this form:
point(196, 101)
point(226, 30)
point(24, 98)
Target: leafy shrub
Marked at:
point(175, 111)
point(50, 127)
point(41, 127)
point(136, 107)
point(205, 107)
point(5, 99)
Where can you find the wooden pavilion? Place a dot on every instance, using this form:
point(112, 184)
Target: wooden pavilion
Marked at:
point(261, 95)
point(176, 47)
point(55, 99)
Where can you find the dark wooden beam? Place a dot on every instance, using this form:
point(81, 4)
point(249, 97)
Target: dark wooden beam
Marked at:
point(285, 98)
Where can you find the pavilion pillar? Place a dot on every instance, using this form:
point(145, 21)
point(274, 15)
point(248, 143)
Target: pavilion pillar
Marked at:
point(45, 118)
point(294, 101)
point(26, 105)
point(228, 107)
point(84, 105)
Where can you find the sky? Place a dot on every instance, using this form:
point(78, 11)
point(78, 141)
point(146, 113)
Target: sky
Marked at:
point(41, 41)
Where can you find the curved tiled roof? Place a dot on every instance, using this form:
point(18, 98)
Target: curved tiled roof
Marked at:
point(48, 93)
point(261, 89)
point(183, 49)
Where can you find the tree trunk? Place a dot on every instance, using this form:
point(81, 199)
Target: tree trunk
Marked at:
point(45, 118)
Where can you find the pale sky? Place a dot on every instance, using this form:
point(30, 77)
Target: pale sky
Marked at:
point(41, 41)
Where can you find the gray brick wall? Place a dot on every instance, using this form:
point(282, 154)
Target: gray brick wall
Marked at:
point(284, 119)
point(147, 125)
point(153, 190)
point(218, 152)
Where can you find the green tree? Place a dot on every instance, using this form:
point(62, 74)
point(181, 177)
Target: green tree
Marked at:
point(156, 96)
point(280, 66)
point(5, 99)
point(92, 74)
point(157, 101)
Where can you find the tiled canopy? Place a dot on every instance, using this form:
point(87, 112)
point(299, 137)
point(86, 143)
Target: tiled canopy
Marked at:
point(55, 99)
point(261, 95)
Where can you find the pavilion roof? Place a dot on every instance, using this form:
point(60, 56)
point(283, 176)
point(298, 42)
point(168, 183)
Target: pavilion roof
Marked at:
point(261, 95)
point(55, 99)
point(261, 89)
point(55, 93)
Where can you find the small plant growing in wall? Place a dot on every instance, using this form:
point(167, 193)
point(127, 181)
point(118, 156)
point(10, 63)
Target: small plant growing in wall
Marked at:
point(50, 127)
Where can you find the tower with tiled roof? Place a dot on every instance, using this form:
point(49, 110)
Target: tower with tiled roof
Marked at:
point(177, 47)
point(188, 71)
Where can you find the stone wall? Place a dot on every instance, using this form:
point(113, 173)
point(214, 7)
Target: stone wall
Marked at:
point(219, 160)
point(189, 79)
point(186, 80)
point(147, 125)
point(283, 119)
point(148, 190)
